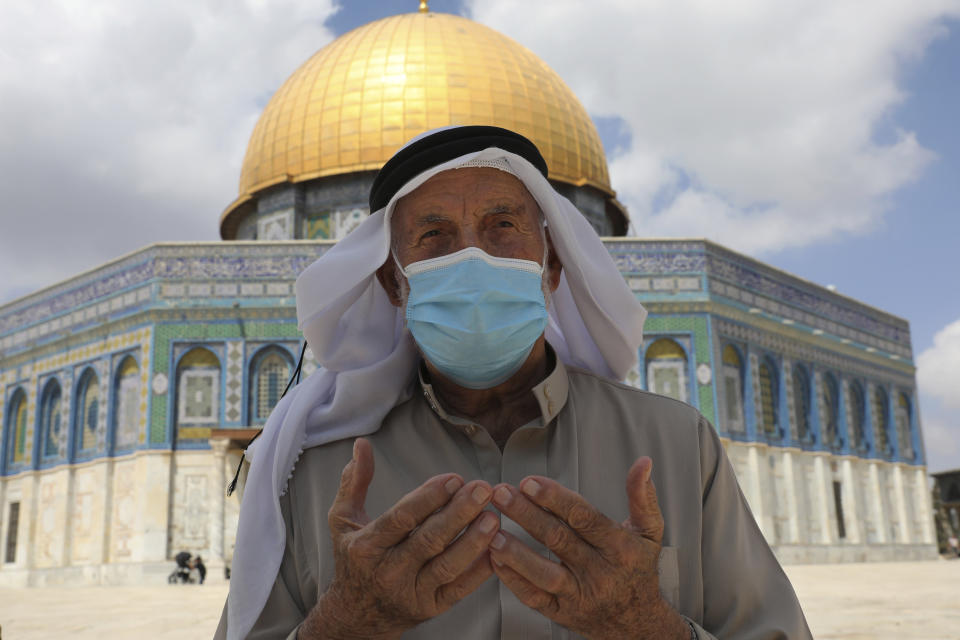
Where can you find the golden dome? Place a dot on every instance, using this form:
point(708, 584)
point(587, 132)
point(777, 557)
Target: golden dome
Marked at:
point(357, 100)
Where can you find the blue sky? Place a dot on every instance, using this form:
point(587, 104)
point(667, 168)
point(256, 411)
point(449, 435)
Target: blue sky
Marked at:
point(810, 134)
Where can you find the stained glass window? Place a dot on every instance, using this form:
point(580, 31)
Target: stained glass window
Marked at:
point(667, 369)
point(271, 378)
point(88, 410)
point(126, 411)
point(904, 439)
point(50, 420)
point(198, 391)
point(831, 411)
point(856, 415)
point(17, 428)
point(733, 388)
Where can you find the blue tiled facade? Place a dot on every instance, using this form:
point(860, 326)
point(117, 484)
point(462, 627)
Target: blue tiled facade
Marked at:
point(236, 299)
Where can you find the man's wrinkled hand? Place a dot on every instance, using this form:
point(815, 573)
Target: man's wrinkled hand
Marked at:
point(406, 566)
point(605, 584)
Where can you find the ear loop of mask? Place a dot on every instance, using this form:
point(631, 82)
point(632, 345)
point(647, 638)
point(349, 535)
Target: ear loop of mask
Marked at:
point(544, 285)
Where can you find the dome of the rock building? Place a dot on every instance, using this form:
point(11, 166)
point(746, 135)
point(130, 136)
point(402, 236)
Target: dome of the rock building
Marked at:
point(349, 108)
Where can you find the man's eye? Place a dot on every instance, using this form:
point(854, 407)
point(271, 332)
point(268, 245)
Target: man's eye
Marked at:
point(505, 224)
point(430, 234)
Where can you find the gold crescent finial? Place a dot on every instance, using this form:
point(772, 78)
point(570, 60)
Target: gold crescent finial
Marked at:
point(423, 6)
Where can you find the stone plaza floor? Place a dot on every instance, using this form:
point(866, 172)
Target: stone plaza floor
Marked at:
point(884, 601)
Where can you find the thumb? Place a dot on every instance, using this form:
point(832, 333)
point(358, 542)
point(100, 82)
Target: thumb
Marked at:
point(347, 512)
point(645, 517)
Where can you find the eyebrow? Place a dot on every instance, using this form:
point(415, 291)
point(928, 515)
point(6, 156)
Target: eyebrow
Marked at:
point(430, 218)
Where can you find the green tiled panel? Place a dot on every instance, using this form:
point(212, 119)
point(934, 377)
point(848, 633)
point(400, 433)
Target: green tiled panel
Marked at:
point(158, 419)
point(214, 332)
point(697, 325)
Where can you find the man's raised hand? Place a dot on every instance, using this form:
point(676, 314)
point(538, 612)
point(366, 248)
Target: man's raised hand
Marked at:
point(606, 584)
point(406, 566)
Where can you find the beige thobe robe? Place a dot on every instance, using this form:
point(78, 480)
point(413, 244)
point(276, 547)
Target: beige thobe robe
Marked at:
point(716, 569)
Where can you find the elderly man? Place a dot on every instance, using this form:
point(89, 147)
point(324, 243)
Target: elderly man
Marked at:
point(473, 329)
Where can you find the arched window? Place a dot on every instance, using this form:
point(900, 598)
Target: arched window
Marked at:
point(198, 388)
point(830, 394)
point(17, 428)
point(126, 404)
point(270, 372)
point(733, 388)
point(88, 411)
point(769, 393)
point(51, 420)
point(902, 420)
point(667, 369)
point(801, 403)
point(881, 421)
point(857, 416)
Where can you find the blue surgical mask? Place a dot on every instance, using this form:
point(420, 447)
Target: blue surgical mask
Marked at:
point(475, 317)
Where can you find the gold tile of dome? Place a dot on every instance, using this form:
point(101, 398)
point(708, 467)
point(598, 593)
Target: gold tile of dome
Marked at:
point(351, 105)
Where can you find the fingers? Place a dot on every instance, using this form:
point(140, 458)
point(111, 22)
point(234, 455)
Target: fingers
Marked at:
point(347, 512)
point(411, 510)
point(544, 526)
point(581, 516)
point(440, 528)
point(466, 583)
point(645, 516)
point(459, 557)
point(542, 573)
point(526, 592)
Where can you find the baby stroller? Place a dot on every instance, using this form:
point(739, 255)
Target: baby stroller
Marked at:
point(182, 573)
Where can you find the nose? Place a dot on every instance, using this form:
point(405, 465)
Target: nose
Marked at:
point(468, 237)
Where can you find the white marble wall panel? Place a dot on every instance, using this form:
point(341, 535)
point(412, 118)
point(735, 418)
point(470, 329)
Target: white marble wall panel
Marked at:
point(49, 543)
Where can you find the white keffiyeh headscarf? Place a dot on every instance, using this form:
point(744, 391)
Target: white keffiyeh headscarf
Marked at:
point(368, 358)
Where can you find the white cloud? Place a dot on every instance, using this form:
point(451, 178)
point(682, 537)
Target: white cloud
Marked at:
point(938, 367)
point(938, 379)
point(125, 123)
point(941, 435)
point(762, 125)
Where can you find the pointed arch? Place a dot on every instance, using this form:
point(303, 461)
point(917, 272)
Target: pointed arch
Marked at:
point(769, 396)
point(903, 412)
point(881, 421)
point(16, 429)
point(856, 416)
point(198, 388)
point(86, 412)
point(732, 367)
point(666, 363)
point(51, 426)
point(126, 404)
point(270, 369)
point(801, 403)
point(830, 396)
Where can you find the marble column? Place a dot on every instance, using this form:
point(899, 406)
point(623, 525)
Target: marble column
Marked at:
point(790, 492)
point(900, 506)
point(876, 501)
point(924, 505)
point(218, 504)
point(852, 524)
point(824, 500)
point(756, 489)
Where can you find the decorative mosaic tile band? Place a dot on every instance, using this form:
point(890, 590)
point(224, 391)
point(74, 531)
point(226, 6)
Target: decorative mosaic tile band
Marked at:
point(246, 272)
point(233, 407)
point(779, 290)
point(789, 315)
